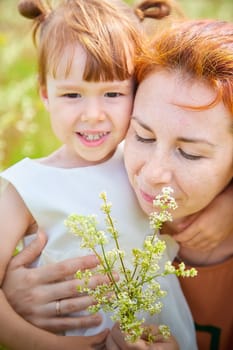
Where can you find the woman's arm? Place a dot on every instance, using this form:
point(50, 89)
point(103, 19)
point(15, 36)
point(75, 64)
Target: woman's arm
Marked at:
point(212, 226)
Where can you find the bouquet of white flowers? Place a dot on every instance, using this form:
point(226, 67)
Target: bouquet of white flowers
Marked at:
point(137, 290)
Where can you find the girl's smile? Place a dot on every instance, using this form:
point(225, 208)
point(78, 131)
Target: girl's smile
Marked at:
point(89, 118)
point(92, 139)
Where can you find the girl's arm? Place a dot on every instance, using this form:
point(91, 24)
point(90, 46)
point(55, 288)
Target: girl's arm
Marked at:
point(211, 226)
point(16, 333)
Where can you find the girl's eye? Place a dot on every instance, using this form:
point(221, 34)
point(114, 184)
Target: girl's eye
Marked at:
point(189, 156)
point(112, 94)
point(145, 140)
point(72, 95)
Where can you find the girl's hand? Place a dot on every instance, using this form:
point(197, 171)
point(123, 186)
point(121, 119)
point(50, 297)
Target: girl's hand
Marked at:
point(116, 341)
point(211, 226)
point(34, 292)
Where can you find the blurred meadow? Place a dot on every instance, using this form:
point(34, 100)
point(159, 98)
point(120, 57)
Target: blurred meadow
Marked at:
point(24, 126)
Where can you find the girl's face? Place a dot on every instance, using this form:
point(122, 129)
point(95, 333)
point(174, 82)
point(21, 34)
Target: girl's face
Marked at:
point(89, 118)
point(168, 145)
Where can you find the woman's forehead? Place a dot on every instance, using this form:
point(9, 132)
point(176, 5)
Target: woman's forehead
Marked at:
point(163, 95)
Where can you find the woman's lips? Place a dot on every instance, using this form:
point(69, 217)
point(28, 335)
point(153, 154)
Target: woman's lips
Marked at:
point(148, 198)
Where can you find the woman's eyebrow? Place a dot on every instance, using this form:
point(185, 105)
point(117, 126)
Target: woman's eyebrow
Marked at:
point(180, 139)
point(195, 140)
point(141, 123)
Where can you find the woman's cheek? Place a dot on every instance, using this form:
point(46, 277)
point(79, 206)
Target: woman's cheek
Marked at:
point(132, 169)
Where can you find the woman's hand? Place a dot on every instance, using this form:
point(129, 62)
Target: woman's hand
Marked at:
point(95, 342)
point(116, 341)
point(211, 226)
point(34, 292)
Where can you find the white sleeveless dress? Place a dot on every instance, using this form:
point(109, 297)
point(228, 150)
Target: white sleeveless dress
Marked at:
point(52, 194)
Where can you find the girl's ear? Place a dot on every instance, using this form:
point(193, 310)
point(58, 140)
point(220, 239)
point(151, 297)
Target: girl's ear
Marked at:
point(44, 96)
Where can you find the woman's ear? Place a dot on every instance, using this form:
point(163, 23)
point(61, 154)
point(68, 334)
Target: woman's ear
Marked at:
point(44, 96)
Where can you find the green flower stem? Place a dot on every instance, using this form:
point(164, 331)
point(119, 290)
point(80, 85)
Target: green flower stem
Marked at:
point(144, 271)
point(134, 272)
point(117, 245)
point(108, 270)
point(153, 277)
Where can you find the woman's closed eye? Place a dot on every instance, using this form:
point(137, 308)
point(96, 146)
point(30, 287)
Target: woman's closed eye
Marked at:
point(189, 156)
point(144, 139)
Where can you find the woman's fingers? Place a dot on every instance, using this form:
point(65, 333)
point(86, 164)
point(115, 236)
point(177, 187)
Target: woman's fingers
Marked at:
point(46, 315)
point(30, 253)
point(111, 344)
point(117, 340)
point(61, 324)
point(99, 340)
point(61, 270)
point(45, 293)
point(66, 306)
point(53, 272)
point(95, 342)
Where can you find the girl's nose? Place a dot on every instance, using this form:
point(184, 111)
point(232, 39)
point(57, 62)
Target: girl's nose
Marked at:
point(93, 112)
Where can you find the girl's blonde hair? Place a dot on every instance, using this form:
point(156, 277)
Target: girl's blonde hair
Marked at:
point(107, 30)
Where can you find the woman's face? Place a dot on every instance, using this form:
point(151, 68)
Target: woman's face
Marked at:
point(168, 145)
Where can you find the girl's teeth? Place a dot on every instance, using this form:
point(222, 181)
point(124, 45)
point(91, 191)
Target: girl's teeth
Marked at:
point(93, 137)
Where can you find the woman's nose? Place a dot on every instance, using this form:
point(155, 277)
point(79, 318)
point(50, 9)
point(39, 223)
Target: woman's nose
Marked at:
point(158, 170)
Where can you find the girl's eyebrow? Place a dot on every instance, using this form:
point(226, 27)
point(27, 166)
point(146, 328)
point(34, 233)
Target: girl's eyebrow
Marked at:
point(180, 139)
point(63, 86)
point(105, 85)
